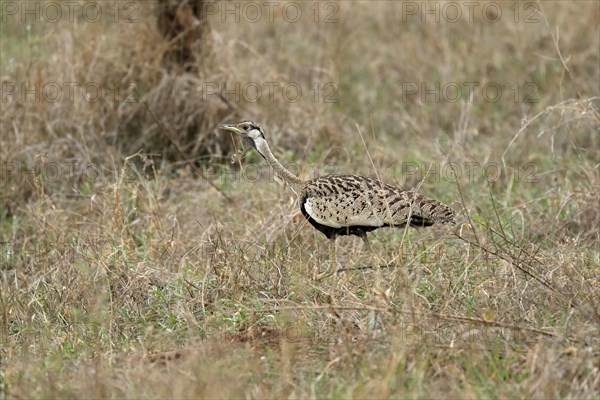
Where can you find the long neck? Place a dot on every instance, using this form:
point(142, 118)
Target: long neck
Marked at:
point(263, 148)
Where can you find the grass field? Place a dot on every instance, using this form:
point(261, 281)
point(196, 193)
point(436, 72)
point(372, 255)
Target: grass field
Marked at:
point(139, 260)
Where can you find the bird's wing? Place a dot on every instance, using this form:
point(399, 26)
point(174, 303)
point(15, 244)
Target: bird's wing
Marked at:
point(340, 210)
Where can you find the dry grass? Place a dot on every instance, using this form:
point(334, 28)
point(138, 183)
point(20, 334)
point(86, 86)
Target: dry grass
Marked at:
point(131, 274)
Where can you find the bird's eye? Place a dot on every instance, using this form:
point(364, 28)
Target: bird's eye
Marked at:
point(245, 127)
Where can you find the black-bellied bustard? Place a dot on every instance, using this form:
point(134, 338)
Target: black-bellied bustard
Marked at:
point(340, 205)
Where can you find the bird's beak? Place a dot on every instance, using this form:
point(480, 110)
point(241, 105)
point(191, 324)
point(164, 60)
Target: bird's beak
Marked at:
point(231, 127)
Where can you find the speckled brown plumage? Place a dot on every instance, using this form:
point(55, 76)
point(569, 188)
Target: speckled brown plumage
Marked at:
point(351, 205)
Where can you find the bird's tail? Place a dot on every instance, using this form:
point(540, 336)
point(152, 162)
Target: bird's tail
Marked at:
point(425, 212)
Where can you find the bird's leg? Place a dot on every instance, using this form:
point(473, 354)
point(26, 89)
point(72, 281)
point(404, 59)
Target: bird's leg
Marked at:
point(372, 257)
point(333, 265)
point(365, 239)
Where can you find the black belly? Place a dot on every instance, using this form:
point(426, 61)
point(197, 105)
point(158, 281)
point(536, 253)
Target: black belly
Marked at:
point(358, 230)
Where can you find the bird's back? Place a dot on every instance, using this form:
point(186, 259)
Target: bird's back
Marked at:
point(339, 201)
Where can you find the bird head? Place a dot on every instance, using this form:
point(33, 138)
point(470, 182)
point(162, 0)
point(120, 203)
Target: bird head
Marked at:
point(251, 131)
